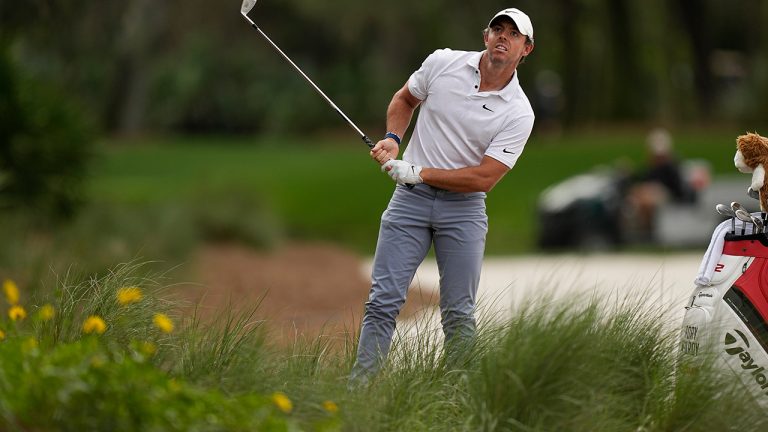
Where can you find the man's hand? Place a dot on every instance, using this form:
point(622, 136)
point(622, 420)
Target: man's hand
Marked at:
point(403, 172)
point(385, 150)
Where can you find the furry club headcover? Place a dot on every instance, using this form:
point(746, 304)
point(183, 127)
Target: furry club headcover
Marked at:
point(752, 157)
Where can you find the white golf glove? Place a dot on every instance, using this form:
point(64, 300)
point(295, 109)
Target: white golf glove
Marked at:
point(402, 172)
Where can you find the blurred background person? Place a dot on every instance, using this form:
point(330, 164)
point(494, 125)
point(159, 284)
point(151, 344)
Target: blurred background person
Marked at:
point(659, 182)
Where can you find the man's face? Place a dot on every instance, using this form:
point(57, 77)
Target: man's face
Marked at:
point(505, 44)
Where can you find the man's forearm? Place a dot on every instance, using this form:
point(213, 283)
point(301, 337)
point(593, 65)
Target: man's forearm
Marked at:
point(481, 178)
point(400, 111)
point(462, 180)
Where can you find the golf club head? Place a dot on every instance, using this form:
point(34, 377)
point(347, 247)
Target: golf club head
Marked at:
point(736, 206)
point(725, 210)
point(743, 215)
point(247, 6)
point(758, 223)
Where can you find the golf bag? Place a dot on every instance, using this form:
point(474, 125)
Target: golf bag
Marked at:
point(727, 318)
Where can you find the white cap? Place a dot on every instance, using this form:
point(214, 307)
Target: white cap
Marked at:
point(521, 20)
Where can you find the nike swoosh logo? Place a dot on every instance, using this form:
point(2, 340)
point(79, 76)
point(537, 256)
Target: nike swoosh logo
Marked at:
point(486, 108)
point(507, 151)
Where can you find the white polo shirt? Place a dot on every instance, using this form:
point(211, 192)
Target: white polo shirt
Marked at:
point(458, 125)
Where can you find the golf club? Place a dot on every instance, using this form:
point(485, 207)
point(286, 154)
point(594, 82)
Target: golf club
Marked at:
point(727, 211)
point(744, 216)
point(758, 224)
point(244, 9)
point(736, 206)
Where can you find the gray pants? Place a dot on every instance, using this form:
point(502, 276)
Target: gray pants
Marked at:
point(415, 219)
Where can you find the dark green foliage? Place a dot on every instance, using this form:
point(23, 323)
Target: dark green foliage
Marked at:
point(44, 146)
point(149, 66)
point(83, 386)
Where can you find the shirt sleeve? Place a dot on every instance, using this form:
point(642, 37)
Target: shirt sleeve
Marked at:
point(508, 145)
point(419, 82)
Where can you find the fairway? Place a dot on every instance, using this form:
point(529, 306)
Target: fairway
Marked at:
point(332, 191)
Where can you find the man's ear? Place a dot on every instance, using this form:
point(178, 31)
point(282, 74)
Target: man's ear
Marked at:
point(528, 49)
point(485, 37)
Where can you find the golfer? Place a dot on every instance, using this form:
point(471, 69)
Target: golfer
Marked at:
point(472, 127)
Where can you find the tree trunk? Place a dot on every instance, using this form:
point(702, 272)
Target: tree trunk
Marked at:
point(142, 27)
point(692, 15)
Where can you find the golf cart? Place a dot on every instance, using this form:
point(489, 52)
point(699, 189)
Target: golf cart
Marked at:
point(592, 211)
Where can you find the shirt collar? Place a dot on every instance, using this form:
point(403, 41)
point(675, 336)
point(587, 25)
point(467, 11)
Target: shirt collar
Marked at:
point(507, 92)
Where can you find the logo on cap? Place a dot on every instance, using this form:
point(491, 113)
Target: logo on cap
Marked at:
point(521, 20)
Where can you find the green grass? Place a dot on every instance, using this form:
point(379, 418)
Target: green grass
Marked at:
point(569, 365)
point(161, 199)
point(331, 190)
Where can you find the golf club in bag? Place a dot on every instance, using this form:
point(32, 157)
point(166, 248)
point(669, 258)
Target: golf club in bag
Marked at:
point(727, 318)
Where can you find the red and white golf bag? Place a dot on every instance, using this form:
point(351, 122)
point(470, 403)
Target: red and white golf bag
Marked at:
point(727, 315)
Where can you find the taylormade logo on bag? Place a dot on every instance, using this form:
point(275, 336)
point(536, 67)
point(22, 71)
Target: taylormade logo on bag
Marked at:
point(747, 362)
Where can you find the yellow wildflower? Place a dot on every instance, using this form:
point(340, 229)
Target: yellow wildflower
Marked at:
point(331, 407)
point(128, 295)
point(94, 324)
point(148, 348)
point(2, 335)
point(17, 312)
point(163, 323)
point(46, 312)
point(282, 402)
point(11, 292)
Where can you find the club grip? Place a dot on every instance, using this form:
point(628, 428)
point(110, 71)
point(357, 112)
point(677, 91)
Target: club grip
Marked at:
point(370, 146)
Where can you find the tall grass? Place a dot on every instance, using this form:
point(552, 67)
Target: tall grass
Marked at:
point(577, 364)
point(218, 353)
point(75, 300)
point(557, 366)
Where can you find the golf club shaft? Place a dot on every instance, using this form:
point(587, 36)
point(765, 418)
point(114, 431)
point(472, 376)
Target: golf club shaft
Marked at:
point(364, 137)
point(327, 99)
point(728, 212)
